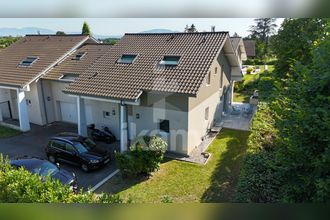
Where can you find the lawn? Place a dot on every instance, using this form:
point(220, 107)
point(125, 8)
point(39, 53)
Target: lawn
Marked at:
point(248, 79)
point(186, 182)
point(7, 132)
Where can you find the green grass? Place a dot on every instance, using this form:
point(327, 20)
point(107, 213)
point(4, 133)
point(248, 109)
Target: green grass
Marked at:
point(187, 182)
point(7, 132)
point(244, 94)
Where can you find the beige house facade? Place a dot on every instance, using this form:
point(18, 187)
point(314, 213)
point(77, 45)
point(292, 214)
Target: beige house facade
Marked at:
point(180, 102)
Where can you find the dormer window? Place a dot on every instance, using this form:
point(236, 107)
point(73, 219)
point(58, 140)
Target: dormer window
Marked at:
point(170, 60)
point(127, 58)
point(68, 77)
point(28, 61)
point(79, 56)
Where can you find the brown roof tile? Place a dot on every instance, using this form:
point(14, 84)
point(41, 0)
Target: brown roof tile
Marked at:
point(48, 48)
point(107, 78)
point(71, 65)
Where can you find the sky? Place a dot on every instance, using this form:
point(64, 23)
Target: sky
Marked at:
point(120, 26)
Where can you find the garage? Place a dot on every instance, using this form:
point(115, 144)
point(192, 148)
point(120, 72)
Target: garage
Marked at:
point(69, 112)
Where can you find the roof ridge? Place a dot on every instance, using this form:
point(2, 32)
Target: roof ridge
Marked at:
point(179, 33)
point(54, 35)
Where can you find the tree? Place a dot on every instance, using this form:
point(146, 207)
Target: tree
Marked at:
point(85, 29)
point(294, 42)
point(60, 33)
point(261, 32)
point(190, 29)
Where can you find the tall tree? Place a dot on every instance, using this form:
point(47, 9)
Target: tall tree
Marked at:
point(262, 30)
point(85, 29)
point(294, 42)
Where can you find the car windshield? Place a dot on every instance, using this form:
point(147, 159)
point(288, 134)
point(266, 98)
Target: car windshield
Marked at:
point(85, 145)
point(45, 169)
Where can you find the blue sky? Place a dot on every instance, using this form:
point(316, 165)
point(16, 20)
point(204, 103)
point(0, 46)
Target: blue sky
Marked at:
point(119, 26)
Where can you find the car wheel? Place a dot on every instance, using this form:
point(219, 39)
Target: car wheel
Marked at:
point(52, 159)
point(84, 167)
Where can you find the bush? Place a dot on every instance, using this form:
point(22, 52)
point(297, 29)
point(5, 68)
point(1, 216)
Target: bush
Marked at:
point(249, 70)
point(143, 158)
point(21, 186)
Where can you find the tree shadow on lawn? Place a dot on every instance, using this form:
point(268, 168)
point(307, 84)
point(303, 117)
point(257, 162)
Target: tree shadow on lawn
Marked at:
point(119, 183)
point(226, 173)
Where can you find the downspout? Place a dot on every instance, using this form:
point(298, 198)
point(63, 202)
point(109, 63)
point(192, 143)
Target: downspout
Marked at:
point(43, 100)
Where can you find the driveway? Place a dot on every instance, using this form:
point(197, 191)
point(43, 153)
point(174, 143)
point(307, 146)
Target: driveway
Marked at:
point(32, 144)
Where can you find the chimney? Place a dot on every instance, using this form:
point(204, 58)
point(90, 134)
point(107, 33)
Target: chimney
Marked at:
point(213, 28)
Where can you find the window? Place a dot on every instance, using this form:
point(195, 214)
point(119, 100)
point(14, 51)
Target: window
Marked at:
point(70, 148)
point(215, 70)
point(208, 79)
point(70, 77)
point(164, 125)
point(207, 113)
point(79, 56)
point(127, 58)
point(170, 60)
point(59, 145)
point(28, 61)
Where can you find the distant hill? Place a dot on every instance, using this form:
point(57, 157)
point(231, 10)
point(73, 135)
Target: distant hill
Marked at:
point(158, 31)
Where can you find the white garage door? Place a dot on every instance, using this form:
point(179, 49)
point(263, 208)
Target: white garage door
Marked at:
point(69, 113)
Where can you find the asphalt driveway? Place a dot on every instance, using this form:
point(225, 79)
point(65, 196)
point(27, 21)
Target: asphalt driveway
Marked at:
point(32, 144)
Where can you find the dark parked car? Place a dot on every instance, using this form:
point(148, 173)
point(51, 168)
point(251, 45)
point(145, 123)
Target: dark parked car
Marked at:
point(44, 168)
point(75, 149)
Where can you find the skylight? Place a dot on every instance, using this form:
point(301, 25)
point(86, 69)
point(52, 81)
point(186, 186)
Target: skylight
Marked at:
point(127, 58)
point(79, 55)
point(69, 77)
point(170, 60)
point(28, 61)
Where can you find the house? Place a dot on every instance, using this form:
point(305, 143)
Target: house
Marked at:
point(22, 65)
point(176, 85)
point(250, 47)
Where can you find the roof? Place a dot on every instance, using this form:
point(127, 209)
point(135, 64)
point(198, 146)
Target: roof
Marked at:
point(73, 66)
point(48, 48)
point(108, 79)
point(235, 42)
point(250, 47)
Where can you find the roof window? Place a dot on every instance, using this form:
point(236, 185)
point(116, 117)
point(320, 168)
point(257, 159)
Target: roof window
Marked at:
point(79, 56)
point(127, 58)
point(28, 61)
point(170, 60)
point(69, 77)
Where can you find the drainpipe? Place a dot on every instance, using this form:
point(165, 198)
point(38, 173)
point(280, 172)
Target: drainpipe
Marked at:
point(123, 126)
point(43, 100)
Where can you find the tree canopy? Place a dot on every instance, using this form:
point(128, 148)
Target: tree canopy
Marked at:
point(85, 29)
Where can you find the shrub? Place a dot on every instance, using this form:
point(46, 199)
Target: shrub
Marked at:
point(143, 158)
point(249, 70)
point(21, 186)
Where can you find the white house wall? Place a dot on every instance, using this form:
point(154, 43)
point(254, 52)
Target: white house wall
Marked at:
point(148, 124)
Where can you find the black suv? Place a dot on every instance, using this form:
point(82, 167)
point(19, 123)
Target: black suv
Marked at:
point(43, 168)
point(75, 149)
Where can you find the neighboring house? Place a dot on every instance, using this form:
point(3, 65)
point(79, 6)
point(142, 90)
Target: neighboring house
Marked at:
point(22, 65)
point(176, 85)
point(250, 47)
